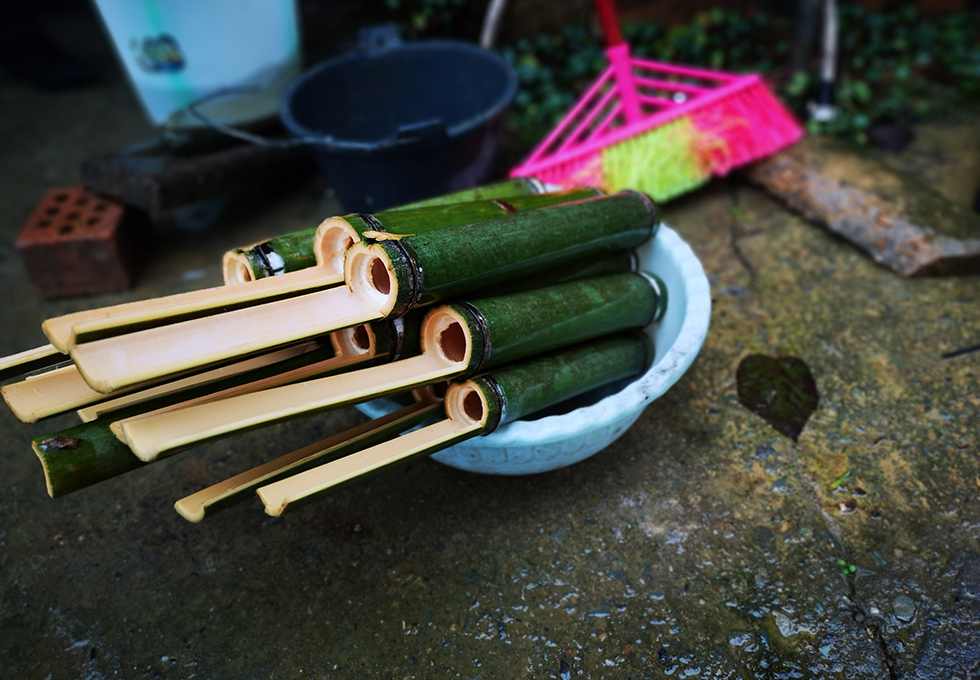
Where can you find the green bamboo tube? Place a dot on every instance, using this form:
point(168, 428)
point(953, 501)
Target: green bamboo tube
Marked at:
point(336, 234)
point(457, 339)
point(523, 388)
point(512, 327)
point(616, 262)
point(479, 406)
point(89, 453)
point(454, 262)
point(80, 456)
point(383, 279)
point(508, 188)
point(292, 252)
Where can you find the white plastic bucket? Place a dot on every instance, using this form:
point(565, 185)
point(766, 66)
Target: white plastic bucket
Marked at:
point(179, 52)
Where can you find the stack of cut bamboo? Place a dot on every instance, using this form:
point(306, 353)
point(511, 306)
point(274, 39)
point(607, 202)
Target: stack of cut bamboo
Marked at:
point(479, 308)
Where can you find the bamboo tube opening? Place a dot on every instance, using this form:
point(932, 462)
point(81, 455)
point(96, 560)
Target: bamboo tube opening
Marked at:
point(379, 276)
point(361, 337)
point(330, 243)
point(466, 403)
point(237, 268)
point(437, 390)
point(473, 406)
point(445, 332)
point(370, 274)
point(353, 341)
point(431, 393)
point(452, 341)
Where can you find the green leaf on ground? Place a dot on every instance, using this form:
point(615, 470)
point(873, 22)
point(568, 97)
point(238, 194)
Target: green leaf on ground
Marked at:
point(780, 390)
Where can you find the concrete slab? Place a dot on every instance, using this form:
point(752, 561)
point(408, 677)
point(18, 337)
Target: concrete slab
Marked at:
point(702, 544)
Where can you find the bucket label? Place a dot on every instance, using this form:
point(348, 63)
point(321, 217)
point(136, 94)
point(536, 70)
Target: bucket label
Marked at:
point(160, 54)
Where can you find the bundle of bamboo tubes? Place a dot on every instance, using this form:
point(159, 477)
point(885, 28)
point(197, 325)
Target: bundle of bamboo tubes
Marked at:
point(484, 306)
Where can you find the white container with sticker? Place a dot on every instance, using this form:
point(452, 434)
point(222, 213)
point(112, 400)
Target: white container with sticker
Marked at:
point(232, 58)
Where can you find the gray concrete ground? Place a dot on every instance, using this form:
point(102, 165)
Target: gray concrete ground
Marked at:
point(702, 544)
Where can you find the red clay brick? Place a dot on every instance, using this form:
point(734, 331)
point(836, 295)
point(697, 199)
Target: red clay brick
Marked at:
point(80, 243)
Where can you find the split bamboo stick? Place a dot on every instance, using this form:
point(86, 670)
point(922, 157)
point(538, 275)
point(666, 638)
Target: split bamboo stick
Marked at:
point(378, 342)
point(29, 360)
point(383, 279)
point(225, 493)
point(479, 406)
point(44, 394)
point(456, 339)
point(314, 360)
point(87, 325)
point(62, 389)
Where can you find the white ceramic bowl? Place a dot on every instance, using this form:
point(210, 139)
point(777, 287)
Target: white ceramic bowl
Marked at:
point(538, 445)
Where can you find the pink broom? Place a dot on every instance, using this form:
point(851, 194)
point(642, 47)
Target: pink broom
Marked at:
point(659, 128)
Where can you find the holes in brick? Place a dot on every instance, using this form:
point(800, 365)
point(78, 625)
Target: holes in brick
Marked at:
point(73, 216)
point(66, 229)
point(81, 200)
point(44, 223)
point(60, 198)
point(51, 211)
point(91, 222)
point(99, 207)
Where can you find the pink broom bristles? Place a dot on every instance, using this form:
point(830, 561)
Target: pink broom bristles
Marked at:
point(752, 123)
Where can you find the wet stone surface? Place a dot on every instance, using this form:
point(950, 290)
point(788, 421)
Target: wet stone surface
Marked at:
point(704, 543)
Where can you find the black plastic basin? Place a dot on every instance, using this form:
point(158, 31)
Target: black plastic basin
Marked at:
point(402, 122)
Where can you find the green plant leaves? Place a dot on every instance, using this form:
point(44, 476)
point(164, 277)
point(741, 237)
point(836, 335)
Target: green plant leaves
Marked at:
point(888, 67)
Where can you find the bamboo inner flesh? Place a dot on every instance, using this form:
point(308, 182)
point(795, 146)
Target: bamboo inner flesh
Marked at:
point(236, 268)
